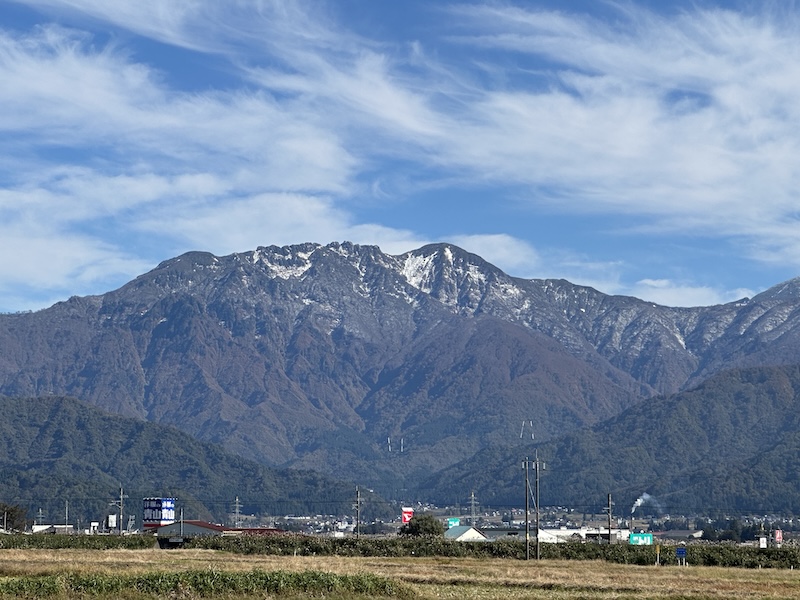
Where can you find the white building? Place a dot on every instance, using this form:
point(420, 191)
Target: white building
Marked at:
point(465, 533)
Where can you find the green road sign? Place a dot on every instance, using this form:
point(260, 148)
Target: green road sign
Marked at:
point(641, 539)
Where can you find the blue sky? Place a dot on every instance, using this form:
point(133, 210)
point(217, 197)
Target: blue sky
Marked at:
point(643, 148)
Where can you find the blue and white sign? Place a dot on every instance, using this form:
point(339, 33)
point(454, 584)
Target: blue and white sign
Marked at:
point(158, 511)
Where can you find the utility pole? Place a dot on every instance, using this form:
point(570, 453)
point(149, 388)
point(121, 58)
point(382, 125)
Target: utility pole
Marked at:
point(528, 492)
point(538, 520)
point(120, 503)
point(358, 512)
point(609, 518)
point(122, 497)
point(527, 512)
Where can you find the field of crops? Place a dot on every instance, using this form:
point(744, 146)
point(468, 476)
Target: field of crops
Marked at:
point(153, 573)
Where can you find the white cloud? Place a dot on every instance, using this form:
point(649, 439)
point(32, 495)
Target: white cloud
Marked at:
point(60, 92)
point(41, 268)
point(691, 121)
point(512, 255)
point(646, 116)
point(164, 21)
point(271, 218)
point(670, 293)
point(390, 239)
point(245, 223)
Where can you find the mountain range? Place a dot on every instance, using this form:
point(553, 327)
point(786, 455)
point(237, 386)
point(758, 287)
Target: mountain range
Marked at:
point(387, 370)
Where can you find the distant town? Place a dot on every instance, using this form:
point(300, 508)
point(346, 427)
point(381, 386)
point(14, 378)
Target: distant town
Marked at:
point(164, 518)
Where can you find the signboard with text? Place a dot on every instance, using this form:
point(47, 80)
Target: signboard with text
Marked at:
point(158, 511)
point(408, 512)
point(641, 539)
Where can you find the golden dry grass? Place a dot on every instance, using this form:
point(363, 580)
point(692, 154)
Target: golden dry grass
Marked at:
point(461, 578)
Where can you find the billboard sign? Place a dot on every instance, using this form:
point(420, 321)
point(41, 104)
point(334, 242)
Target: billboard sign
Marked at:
point(158, 512)
point(408, 512)
point(453, 522)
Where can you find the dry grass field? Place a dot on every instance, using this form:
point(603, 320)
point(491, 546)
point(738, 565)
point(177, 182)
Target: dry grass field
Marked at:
point(461, 578)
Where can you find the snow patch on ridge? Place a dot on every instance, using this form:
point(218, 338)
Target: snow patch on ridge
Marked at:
point(680, 339)
point(284, 267)
point(287, 272)
point(475, 274)
point(418, 272)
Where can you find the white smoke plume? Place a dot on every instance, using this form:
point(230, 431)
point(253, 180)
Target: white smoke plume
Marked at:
point(646, 498)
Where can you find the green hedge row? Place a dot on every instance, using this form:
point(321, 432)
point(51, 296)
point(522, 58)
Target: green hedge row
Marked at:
point(78, 542)
point(203, 583)
point(300, 545)
point(700, 554)
point(726, 555)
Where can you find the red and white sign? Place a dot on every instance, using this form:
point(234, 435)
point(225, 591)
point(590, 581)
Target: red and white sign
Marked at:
point(408, 512)
point(778, 536)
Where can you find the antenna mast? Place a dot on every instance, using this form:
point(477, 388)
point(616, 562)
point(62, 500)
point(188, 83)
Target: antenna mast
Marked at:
point(472, 509)
point(237, 506)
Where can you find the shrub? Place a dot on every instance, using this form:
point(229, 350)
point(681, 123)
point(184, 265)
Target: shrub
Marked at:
point(207, 583)
point(78, 542)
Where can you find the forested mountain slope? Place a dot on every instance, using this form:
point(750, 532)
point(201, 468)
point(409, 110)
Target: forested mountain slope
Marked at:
point(59, 452)
point(730, 445)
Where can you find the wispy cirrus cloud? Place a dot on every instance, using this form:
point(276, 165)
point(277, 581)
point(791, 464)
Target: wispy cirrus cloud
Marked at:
point(168, 22)
point(690, 121)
